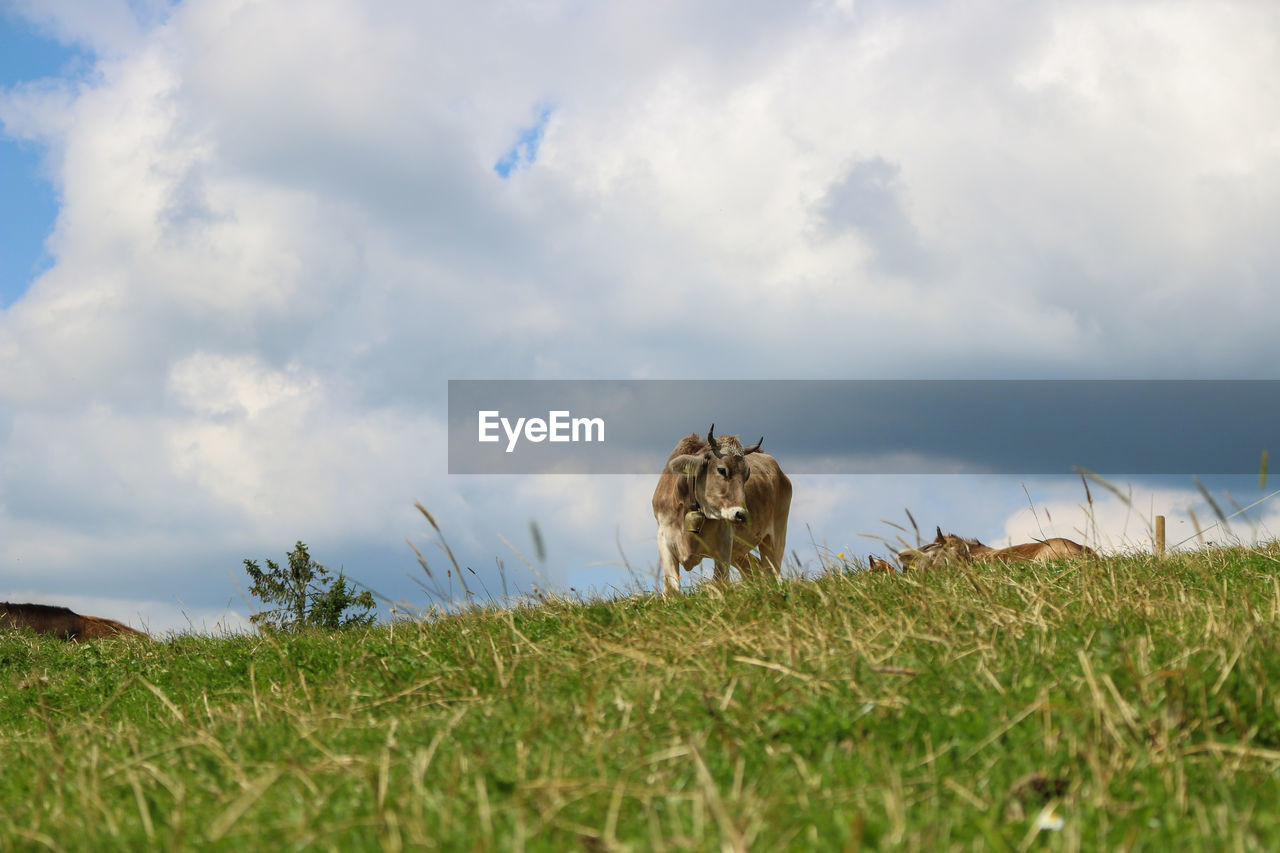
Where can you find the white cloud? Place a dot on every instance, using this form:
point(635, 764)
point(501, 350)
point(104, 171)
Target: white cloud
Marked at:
point(281, 232)
point(105, 26)
point(213, 385)
point(1116, 525)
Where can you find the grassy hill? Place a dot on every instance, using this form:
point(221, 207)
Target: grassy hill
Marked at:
point(1104, 704)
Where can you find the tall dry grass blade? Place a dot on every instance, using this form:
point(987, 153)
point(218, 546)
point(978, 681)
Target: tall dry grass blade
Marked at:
point(539, 550)
point(444, 546)
point(1085, 472)
point(626, 563)
point(422, 561)
point(236, 810)
point(1032, 505)
point(1239, 510)
point(445, 596)
point(731, 838)
point(484, 587)
point(1260, 500)
point(1262, 472)
point(502, 573)
point(422, 509)
point(1091, 519)
point(538, 576)
point(914, 526)
point(817, 549)
point(903, 543)
point(1195, 523)
point(519, 554)
point(1213, 505)
point(978, 587)
point(1126, 499)
point(617, 540)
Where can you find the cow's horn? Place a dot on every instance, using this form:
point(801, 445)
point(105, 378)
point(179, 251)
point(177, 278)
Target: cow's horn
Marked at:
point(711, 440)
point(753, 448)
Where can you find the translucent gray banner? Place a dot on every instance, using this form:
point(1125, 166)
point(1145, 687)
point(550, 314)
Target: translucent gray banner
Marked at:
point(869, 426)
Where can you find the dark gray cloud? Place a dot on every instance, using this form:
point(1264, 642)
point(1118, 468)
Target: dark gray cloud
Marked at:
point(868, 199)
point(878, 427)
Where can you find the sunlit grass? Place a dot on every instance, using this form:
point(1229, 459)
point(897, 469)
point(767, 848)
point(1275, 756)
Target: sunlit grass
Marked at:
point(1122, 702)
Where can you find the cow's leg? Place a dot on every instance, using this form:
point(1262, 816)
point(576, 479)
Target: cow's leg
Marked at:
point(778, 537)
point(670, 564)
point(723, 555)
point(751, 565)
point(762, 563)
point(773, 550)
point(745, 558)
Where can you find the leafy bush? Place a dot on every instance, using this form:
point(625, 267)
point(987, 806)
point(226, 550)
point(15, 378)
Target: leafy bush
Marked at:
point(308, 595)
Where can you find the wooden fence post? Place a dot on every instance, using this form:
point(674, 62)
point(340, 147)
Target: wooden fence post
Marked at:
point(1159, 535)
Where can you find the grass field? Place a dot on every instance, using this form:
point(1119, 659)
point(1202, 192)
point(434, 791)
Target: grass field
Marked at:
point(1112, 704)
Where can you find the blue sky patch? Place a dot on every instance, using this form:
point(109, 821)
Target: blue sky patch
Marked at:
point(29, 204)
point(30, 210)
point(525, 150)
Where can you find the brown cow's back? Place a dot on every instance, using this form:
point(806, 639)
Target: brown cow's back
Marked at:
point(96, 627)
point(1050, 549)
point(60, 621)
point(950, 549)
point(41, 618)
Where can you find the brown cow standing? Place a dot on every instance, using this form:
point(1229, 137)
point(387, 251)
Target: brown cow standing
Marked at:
point(949, 548)
point(718, 499)
point(65, 623)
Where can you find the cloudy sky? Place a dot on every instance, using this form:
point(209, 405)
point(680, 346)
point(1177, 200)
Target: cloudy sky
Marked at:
point(247, 243)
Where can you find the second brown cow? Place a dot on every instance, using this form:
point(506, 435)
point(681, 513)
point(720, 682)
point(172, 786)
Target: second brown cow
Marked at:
point(60, 621)
point(948, 548)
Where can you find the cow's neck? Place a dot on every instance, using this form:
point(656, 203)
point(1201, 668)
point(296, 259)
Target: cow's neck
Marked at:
point(694, 504)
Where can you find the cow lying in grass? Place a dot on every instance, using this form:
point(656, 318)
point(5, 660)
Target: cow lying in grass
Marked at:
point(875, 564)
point(60, 621)
point(950, 549)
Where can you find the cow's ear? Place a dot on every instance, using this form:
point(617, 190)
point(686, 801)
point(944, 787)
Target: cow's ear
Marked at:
point(686, 464)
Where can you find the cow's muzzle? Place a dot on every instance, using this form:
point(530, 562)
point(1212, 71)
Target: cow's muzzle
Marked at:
point(735, 515)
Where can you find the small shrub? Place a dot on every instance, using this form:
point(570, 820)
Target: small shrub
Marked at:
point(308, 595)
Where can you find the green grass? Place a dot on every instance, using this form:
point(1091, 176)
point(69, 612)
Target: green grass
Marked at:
point(1132, 698)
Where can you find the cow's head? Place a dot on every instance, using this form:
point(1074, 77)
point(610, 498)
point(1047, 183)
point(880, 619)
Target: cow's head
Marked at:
point(720, 472)
point(945, 549)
